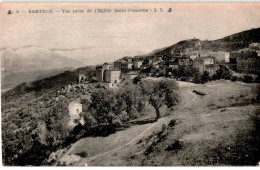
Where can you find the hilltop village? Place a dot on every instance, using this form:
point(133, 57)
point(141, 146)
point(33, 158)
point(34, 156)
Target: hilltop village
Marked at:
point(186, 65)
point(245, 61)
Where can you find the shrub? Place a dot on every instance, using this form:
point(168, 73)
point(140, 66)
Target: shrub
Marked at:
point(248, 79)
point(223, 73)
point(257, 80)
point(234, 78)
point(82, 154)
point(205, 77)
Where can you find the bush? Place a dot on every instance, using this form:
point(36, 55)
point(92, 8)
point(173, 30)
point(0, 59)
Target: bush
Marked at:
point(257, 80)
point(234, 78)
point(248, 79)
point(223, 73)
point(205, 77)
point(82, 154)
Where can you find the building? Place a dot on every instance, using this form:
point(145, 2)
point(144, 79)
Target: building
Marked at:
point(248, 63)
point(112, 76)
point(245, 61)
point(129, 65)
point(184, 61)
point(198, 45)
point(137, 64)
point(221, 56)
point(130, 76)
point(205, 64)
point(173, 64)
point(82, 78)
point(120, 64)
point(106, 66)
point(193, 56)
point(255, 46)
point(75, 109)
point(208, 60)
point(100, 74)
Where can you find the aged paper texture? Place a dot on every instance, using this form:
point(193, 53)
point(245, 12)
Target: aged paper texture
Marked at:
point(130, 84)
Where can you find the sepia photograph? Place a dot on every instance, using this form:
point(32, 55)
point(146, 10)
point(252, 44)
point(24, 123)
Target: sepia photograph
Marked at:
point(133, 84)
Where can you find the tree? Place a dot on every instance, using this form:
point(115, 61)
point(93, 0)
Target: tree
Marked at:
point(205, 77)
point(103, 101)
point(159, 93)
point(223, 73)
point(131, 95)
point(248, 79)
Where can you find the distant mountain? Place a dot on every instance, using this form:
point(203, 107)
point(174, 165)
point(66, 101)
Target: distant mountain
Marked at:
point(33, 58)
point(228, 43)
point(30, 64)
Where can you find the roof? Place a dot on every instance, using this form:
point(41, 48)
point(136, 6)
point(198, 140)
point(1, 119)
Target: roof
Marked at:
point(113, 70)
point(132, 73)
point(74, 103)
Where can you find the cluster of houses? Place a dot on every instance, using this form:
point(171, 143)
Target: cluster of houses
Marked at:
point(244, 61)
point(127, 69)
point(112, 75)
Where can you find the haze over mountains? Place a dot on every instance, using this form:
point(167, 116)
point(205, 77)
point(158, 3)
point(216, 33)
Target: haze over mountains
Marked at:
point(32, 63)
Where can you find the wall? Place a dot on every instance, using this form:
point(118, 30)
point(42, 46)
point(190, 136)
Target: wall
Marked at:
point(100, 74)
point(112, 76)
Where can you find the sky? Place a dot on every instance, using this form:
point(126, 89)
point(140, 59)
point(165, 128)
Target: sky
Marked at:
point(99, 37)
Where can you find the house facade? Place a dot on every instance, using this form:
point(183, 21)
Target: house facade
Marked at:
point(112, 76)
point(221, 56)
point(75, 109)
point(137, 64)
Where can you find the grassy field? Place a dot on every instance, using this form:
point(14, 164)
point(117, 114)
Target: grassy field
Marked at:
point(217, 128)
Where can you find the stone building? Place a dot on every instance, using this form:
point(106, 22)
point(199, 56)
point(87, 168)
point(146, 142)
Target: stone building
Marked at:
point(184, 61)
point(205, 64)
point(255, 46)
point(130, 76)
point(112, 76)
point(106, 66)
point(120, 64)
point(137, 63)
point(75, 109)
point(248, 65)
point(130, 65)
point(100, 74)
point(221, 56)
point(247, 62)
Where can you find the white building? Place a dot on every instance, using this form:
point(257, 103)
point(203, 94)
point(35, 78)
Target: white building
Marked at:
point(75, 109)
point(137, 64)
point(221, 56)
point(208, 61)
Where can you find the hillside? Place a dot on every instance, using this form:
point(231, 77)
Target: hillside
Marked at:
point(11, 80)
point(48, 84)
point(217, 129)
point(228, 43)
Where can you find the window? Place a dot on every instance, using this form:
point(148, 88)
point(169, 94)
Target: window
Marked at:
point(77, 110)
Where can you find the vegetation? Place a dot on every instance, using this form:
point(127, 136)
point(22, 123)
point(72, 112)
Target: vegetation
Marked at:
point(36, 123)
